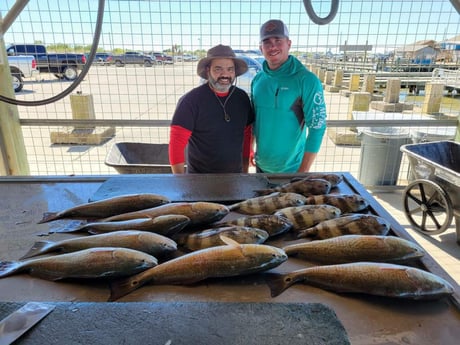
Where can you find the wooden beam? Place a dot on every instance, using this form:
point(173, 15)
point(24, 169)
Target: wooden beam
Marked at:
point(13, 156)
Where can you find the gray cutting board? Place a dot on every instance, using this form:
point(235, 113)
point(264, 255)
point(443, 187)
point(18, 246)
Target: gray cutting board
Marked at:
point(189, 188)
point(185, 323)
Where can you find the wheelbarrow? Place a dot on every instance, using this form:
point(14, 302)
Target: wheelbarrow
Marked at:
point(432, 198)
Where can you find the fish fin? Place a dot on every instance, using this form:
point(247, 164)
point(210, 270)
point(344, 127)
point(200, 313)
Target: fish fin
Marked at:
point(48, 217)
point(46, 275)
point(7, 268)
point(120, 288)
point(229, 241)
point(277, 282)
point(40, 247)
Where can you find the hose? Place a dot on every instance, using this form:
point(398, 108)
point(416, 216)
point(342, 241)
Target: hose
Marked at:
point(84, 72)
point(456, 4)
point(326, 20)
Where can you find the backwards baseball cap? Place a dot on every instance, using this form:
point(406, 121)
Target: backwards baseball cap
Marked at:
point(273, 28)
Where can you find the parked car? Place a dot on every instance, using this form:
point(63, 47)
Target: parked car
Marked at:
point(22, 67)
point(189, 57)
point(251, 62)
point(62, 65)
point(103, 58)
point(136, 58)
point(162, 59)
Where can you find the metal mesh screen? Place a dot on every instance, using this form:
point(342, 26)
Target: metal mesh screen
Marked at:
point(134, 103)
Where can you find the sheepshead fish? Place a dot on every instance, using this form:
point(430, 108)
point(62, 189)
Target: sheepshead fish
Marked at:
point(306, 187)
point(268, 204)
point(147, 242)
point(380, 279)
point(164, 225)
point(347, 203)
point(273, 224)
point(98, 262)
point(306, 216)
point(108, 207)
point(354, 224)
point(212, 237)
point(232, 259)
point(354, 248)
point(333, 178)
point(199, 212)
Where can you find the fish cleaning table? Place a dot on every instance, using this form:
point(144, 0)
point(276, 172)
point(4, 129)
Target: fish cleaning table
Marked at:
point(365, 319)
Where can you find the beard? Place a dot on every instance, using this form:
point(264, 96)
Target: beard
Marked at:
point(216, 85)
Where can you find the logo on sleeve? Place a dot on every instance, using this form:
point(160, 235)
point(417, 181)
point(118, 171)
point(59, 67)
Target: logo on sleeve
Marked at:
point(318, 99)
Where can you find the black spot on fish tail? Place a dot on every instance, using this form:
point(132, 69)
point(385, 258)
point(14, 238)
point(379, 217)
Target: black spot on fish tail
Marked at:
point(278, 282)
point(121, 288)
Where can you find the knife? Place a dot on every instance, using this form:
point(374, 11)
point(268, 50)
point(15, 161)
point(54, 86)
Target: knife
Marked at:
point(21, 320)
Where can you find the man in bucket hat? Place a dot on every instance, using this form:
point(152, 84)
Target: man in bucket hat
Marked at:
point(288, 101)
point(213, 121)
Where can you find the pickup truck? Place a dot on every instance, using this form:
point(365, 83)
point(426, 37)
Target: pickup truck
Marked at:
point(62, 65)
point(135, 58)
point(22, 67)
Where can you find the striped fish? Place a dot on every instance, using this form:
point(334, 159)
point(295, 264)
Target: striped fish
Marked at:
point(271, 223)
point(306, 216)
point(347, 203)
point(355, 224)
point(267, 204)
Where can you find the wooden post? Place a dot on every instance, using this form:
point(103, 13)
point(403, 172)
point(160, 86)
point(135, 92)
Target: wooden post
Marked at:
point(433, 98)
point(13, 156)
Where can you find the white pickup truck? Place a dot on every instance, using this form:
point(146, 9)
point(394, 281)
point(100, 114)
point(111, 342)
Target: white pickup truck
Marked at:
point(22, 66)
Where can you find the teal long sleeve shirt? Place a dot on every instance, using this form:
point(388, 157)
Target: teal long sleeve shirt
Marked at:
point(290, 116)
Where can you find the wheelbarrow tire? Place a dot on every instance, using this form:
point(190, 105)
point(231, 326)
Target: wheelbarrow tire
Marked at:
point(430, 214)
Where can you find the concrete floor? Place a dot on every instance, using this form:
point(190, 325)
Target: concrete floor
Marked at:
point(443, 247)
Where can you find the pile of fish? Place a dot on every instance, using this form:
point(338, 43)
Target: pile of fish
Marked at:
point(139, 239)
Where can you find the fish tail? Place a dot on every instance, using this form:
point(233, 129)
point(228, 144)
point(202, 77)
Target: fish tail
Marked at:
point(38, 248)
point(120, 288)
point(7, 268)
point(48, 217)
point(278, 282)
point(306, 233)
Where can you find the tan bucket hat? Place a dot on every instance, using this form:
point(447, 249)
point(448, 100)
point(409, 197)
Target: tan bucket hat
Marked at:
point(220, 52)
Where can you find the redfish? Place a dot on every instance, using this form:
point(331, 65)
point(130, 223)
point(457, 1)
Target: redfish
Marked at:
point(98, 262)
point(199, 212)
point(164, 225)
point(380, 279)
point(147, 242)
point(354, 248)
point(354, 224)
point(229, 260)
point(268, 204)
point(107, 207)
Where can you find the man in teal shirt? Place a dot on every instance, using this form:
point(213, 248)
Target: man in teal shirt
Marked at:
point(288, 100)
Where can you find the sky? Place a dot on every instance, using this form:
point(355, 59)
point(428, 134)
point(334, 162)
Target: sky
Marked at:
point(193, 25)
